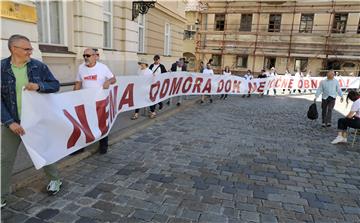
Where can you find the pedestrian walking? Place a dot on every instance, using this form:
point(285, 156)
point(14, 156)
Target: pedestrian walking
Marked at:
point(93, 74)
point(17, 72)
point(351, 120)
point(329, 89)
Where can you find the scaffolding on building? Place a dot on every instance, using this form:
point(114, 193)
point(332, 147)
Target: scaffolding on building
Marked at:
point(326, 43)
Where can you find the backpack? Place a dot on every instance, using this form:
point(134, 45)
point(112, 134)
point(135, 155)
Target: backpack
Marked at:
point(312, 112)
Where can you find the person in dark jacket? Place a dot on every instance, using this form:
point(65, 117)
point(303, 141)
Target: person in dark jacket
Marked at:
point(17, 72)
point(157, 68)
point(179, 66)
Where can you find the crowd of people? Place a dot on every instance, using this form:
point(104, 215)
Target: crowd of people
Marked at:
point(21, 71)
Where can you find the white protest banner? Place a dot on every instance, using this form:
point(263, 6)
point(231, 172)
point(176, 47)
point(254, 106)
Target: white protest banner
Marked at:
point(57, 125)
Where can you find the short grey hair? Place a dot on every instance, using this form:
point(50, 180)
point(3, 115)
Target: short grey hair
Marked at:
point(15, 38)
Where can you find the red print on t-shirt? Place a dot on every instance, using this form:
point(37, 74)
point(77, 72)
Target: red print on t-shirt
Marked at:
point(91, 77)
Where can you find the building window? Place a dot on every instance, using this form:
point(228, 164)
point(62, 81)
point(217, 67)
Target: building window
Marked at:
point(241, 61)
point(246, 22)
point(306, 23)
point(339, 24)
point(216, 60)
point(189, 33)
point(167, 45)
point(141, 40)
point(301, 64)
point(50, 22)
point(107, 14)
point(219, 22)
point(270, 62)
point(274, 23)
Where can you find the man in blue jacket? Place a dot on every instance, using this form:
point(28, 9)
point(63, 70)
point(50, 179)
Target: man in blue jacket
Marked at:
point(17, 72)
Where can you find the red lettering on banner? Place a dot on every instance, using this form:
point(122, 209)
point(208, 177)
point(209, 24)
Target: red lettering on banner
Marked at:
point(164, 88)
point(314, 84)
point(300, 84)
point(198, 82)
point(236, 86)
point(83, 125)
point(261, 86)
point(306, 84)
point(207, 86)
point(252, 87)
point(157, 86)
point(221, 86)
point(175, 86)
point(102, 115)
point(185, 88)
point(277, 83)
point(228, 86)
point(127, 97)
point(291, 82)
point(113, 100)
point(284, 83)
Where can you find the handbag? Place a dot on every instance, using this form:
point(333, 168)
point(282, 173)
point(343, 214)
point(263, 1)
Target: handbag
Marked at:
point(312, 113)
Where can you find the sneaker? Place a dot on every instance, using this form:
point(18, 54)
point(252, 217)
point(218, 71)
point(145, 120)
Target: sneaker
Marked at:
point(160, 106)
point(54, 187)
point(178, 104)
point(211, 101)
point(328, 125)
point(201, 102)
point(339, 139)
point(3, 203)
point(323, 125)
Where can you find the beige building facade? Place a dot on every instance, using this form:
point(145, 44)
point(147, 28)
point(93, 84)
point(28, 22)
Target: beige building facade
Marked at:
point(63, 29)
point(295, 35)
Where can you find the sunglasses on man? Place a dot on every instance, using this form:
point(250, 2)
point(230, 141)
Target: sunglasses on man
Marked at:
point(87, 55)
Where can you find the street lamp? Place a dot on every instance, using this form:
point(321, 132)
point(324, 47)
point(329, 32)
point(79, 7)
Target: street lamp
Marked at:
point(141, 7)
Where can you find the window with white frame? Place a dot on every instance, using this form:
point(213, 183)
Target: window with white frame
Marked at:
point(50, 22)
point(141, 40)
point(167, 45)
point(241, 61)
point(107, 18)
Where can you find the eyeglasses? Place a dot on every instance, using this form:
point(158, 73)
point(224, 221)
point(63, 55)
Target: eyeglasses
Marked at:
point(26, 49)
point(87, 55)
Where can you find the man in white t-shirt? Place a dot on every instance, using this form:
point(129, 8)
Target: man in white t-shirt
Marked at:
point(93, 74)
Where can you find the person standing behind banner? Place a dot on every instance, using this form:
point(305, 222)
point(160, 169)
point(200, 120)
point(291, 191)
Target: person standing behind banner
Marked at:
point(248, 77)
point(298, 76)
point(157, 68)
point(329, 88)
point(272, 74)
point(144, 71)
point(287, 74)
point(17, 72)
point(226, 73)
point(262, 74)
point(93, 74)
point(207, 71)
point(179, 66)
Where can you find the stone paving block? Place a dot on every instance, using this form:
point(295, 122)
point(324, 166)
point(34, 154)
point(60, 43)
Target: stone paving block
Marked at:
point(264, 218)
point(250, 216)
point(287, 199)
point(34, 220)
point(294, 207)
point(21, 205)
point(351, 210)
point(89, 212)
point(64, 217)
point(190, 214)
point(209, 218)
point(16, 218)
point(47, 214)
point(86, 220)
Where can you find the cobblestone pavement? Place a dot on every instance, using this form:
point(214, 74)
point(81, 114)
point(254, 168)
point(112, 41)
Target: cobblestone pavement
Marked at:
point(239, 160)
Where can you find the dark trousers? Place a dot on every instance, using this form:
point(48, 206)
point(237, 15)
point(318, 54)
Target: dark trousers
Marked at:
point(152, 109)
point(104, 142)
point(327, 106)
point(344, 123)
